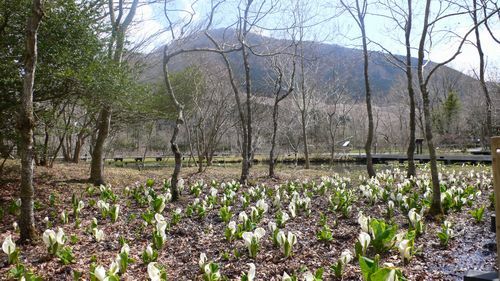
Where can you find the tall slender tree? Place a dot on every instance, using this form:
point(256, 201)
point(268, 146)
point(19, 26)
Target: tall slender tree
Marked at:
point(282, 89)
point(403, 18)
point(26, 124)
point(119, 25)
point(424, 77)
point(487, 127)
point(358, 11)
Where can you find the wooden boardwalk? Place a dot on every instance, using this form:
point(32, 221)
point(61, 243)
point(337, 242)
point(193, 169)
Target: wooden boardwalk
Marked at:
point(447, 159)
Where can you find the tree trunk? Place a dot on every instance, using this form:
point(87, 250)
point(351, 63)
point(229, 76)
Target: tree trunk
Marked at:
point(368, 97)
point(488, 127)
point(332, 137)
point(65, 150)
point(210, 157)
point(436, 197)
point(190, 141)
point(26, 125)
point(412, 171)
point(272, 160)
point(178, 162)
point(35, 152)
point(45, 150)
point(247, 140)
point(97, 164)
point(304, 136)
point(62, 138)
point(199, 149)
point(303, 110)
point(80, 141)
point(118, 31)
point(436, 208)
point(178, 122)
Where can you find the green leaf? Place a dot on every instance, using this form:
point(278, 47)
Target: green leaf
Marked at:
point(368, 267)
point(383, 274)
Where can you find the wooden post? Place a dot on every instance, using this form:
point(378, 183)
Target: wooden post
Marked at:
point(495, 154)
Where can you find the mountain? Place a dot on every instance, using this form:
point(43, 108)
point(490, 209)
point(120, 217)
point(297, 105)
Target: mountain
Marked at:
point(329, 61)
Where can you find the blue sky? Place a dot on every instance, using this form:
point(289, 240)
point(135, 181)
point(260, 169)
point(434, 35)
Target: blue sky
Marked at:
point(340, 30)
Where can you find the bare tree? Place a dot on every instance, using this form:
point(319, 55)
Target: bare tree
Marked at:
point(210, 116)
point(26, 124)
point(423, 80)
point(358, 11)
point(337, 111)
point(487, 127)
point(119, 25)
point(250, 14)
point(167, 55)
point(487, 9)
point(403, 18)
point(282, 89)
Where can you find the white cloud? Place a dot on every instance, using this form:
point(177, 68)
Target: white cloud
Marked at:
point(147, 29)
point(468, 59)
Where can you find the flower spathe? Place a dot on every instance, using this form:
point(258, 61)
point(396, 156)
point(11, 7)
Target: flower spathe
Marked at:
point(364, 239)
point(250, 275)
point(258, 233)
point(100, 273)
point(98, 234)
point(405, 249)
point(271, 226)
point(364, 222)
point(262, 205)
point(286, 242)
point(308, 276)
point(125, 249)
point(242, 216)
point(252, 240)
point(232, 225)
point(114, 267)
point(414, 216)
point(153, 272)
point(286, 277)
point(50, 237)
point(202, 261)
point(149, 250)
point(8, 245)
point(159, 218)
point(346, 257)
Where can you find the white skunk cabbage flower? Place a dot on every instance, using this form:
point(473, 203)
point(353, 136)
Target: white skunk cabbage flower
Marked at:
point(258, 233)
point(364, 239)
point(232, 227)
point(153, 272)
point(203, 260)
point(262, 205)
point(125, 249)
point(250, 275)
point(159, 218)
point(8, 245)
point(242, 216)
point(98, 234)
point(346, 257)
point(308, 276)
point(100, 273)
point(414, 216)
point(364, 222)
point(286, 277)
point(404, 249)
